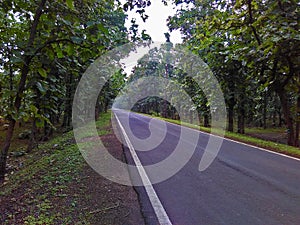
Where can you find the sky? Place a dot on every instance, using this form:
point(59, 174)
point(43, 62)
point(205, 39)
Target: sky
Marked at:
point(156, 24)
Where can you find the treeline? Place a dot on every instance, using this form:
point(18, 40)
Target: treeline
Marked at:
point(259, 111)
point(253, 48)
point(45, 47)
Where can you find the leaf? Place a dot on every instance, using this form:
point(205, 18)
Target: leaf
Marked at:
point(41, 88)
point(16, 60)
point(70, 50)
point(90, 23)
point(70, 4)
point(102, 28)
point(67, 22)
point(76, 40)
point(39, 123)
point(42, 72)
point(33, 109)
point(59, 53)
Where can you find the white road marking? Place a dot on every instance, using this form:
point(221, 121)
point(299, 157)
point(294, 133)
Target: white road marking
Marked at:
point(159, 210)
point(262, 149)
point(252, 146)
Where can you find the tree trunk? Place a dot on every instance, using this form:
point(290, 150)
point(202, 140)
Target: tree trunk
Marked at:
point(48, 132)
point(106, 105)
point(231, 103)
point(274, 118)
point(230, 115)
point(21, 88)
point(4, 151)
point(296, 141)
point(199, 117)
point(280, 118)
point(156, 106)
point(288, 117)
point(97, 110)
point(265, 110)
point(206, 120)
point(241, 118)
point(68, 102)
point(241, 124)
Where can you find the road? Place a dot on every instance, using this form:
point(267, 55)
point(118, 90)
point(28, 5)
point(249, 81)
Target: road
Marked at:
point(244, 184)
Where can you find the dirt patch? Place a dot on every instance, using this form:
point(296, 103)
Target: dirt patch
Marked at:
point(108, 202)
point(275, 137)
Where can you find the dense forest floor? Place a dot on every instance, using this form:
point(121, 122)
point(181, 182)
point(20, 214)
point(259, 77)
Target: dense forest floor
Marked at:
point(54, 185)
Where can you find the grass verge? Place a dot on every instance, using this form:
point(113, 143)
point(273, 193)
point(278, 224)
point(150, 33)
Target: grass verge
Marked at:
point(48, 186)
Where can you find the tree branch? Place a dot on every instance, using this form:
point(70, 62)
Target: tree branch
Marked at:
point(251, 22)
point(37, 16)
point(27, 59)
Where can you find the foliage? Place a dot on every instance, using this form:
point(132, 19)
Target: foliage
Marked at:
point(252, 48)
point(45, 47)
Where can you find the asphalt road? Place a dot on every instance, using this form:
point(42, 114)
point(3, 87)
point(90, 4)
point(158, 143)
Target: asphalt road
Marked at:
point(244, 185)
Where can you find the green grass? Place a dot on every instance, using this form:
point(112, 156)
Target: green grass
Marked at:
point(49, 169)
point(270, 145)
point(88, 129)
point(40, 159)
point(46, 175)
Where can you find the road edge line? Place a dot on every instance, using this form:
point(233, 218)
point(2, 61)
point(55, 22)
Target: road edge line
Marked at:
point(159, 210)
point(249, 145)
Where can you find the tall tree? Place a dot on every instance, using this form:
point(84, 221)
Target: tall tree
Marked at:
point(248, 43)
point(41, 43)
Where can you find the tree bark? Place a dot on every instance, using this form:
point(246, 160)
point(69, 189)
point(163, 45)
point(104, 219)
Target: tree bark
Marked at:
point(288, 117)
point(231, 103)
point(199, 117)
point(296, 141)
point(265, 110)
point(97, 109)
point(241, 117)
point(230, 115)
point(68, 102)
point(206, 120)
point(241, 124)
point(4, 151)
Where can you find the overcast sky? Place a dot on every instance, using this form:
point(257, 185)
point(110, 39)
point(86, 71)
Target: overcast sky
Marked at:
point(156, 24)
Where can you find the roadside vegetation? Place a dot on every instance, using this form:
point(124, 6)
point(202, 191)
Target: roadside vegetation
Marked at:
point(54, 185)
point(45, 48)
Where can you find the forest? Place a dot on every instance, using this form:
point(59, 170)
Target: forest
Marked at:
point(251, 46)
